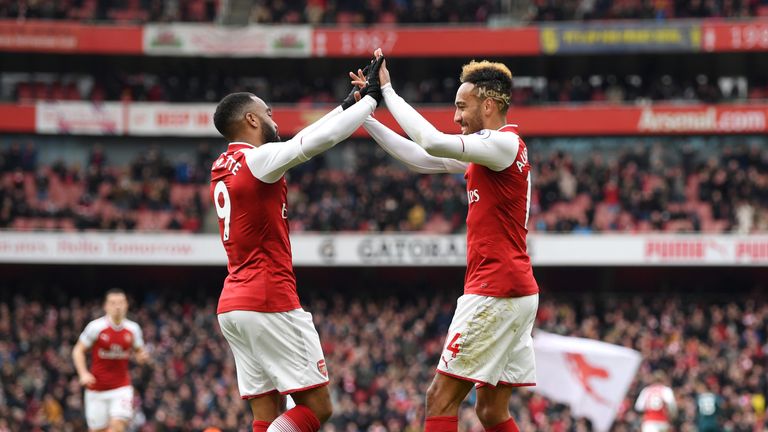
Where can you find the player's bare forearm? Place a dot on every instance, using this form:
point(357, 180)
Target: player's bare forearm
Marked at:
point(78, 358)
point(142, 356)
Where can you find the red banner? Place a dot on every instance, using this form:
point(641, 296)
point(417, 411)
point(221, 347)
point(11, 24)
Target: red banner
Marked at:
point(426, 42)
point(40, 36)
point(586, 120)
point(164, 119)
point(67, 37)
point(737, 36)
point(17, 118)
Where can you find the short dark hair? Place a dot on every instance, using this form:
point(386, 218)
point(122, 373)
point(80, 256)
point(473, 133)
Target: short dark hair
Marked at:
point(230, 111)
point(493, 80)
point(114, 291)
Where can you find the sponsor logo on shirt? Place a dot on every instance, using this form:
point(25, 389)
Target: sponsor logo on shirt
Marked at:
point(473, 196)
point(115, 352)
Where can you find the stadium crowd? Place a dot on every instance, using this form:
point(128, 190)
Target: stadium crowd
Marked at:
point(632, 187)
point(437, 88)
point(381, 356)
point(567, 10)
point(375, 12)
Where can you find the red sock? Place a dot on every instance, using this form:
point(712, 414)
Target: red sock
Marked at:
point(506, 426)
point(297, 419)
point(260, 426)
point(441, 424)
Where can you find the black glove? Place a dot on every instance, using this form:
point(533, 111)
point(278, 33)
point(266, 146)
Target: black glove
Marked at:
point(350, 99)
point(373, 86)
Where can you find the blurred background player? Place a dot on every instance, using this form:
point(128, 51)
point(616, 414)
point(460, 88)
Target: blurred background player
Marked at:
point(489, 340)
point(658, 405)
point(708, 409)
point(111, 339)
point(276, 347)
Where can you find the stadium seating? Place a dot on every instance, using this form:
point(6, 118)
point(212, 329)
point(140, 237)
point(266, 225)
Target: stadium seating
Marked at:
point(634, 188)
point(379, 369)
point(375, 12)
point(528, 90)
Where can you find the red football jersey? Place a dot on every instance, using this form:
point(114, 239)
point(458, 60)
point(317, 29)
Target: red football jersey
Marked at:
point(111, 346)
point(656, 401)
point(497, 256)
point(253, 222)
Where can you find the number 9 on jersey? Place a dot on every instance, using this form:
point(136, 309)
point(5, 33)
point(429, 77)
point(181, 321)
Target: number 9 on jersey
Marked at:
point(222, 210)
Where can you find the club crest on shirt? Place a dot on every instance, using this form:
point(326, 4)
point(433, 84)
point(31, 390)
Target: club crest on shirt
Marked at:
point(127, 338)
point(104, 337)
point(321, 367)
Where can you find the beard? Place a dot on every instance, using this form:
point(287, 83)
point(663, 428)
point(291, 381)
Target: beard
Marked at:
point(269, 133)
point(473, 124)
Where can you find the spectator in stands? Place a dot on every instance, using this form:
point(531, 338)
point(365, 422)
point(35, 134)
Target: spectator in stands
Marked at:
point(378, 366)
point(120, 86)
point(648, 188)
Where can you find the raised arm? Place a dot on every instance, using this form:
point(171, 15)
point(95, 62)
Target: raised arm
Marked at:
point(270, 161)
point(321, 121)
point(492, 149)
point(410, 153)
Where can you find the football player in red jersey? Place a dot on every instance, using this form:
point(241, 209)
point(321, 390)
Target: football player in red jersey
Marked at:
point(276, 347)
point(489, 342)
point(111, 339)
point(658, 405)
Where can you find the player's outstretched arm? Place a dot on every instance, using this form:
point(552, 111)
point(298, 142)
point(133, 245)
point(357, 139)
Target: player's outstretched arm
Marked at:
point(402, 149)
point(348, 101)
point(270, 161)
point(319, 122)
point(492, 149)
point(410, 153)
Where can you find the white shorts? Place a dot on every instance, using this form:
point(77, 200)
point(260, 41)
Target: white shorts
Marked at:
point(489, 341)
point(274, 351)
point(655, 426)
point(101, 406)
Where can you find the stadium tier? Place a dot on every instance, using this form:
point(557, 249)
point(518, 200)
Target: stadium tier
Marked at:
point(629, 186)
point(381, 351)
point(27, 87)
point(378, 12)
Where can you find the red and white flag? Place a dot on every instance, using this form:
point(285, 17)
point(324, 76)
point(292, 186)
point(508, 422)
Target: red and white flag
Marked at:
point(590, 376)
